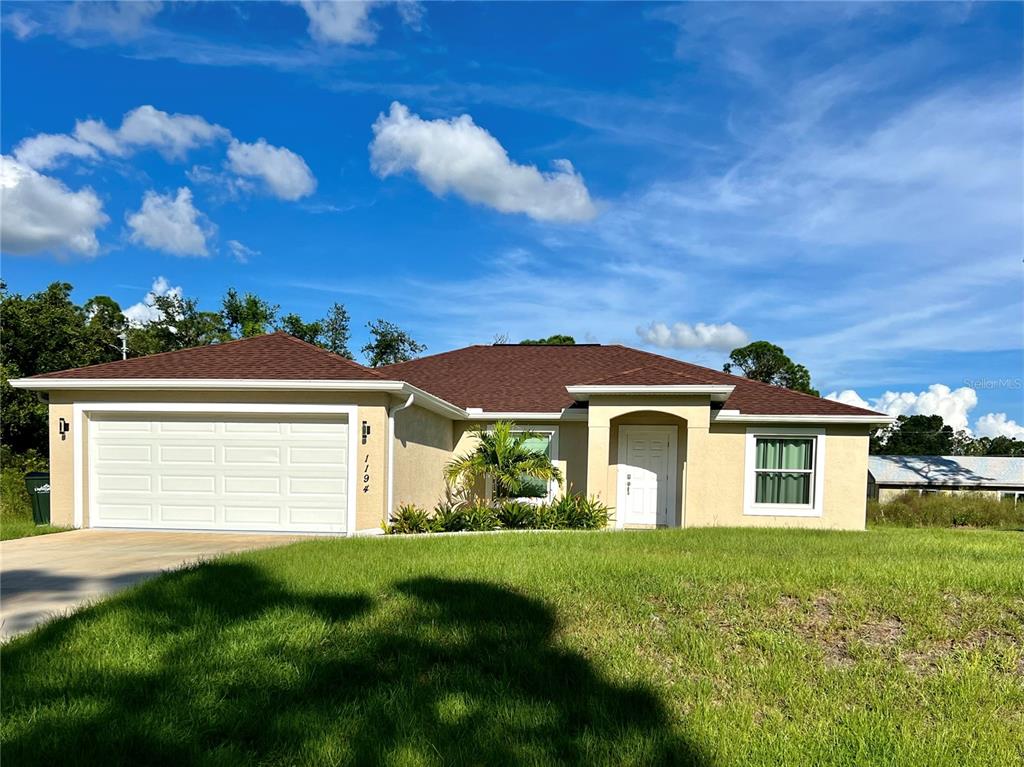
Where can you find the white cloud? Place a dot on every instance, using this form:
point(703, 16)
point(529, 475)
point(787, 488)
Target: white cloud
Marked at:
point(119, 21)
point(998, 425)
point(148, 127)
point(682, 335)
point(458, 156)
point(171, 224)
point(145, 311)
point(347, 23)
point(285, 173)
point(240, 252)
point(39, 213)
point(21, 24)
point(849, 397)
point(46, 149)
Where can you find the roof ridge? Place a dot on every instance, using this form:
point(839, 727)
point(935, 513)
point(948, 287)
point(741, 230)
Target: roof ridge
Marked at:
point(219, 344)
point(751, 381)
point(334, 355)
point(620, 373)
point(435, 355)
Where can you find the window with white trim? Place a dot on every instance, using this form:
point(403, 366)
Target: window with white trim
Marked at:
point(545, 440)
point(784, 471)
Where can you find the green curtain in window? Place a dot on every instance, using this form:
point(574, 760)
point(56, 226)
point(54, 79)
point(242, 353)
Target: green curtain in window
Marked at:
point(531, 487)
point(784, 453)
point(779, 487)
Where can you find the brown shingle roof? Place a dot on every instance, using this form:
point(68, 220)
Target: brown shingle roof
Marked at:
point(516, 378)
point(502, 378)
point(273, 356)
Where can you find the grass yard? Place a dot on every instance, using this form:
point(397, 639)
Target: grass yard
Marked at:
point(702, 647)
point(19, 527)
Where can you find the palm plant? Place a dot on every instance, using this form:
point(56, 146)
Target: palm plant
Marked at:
point(503, 455)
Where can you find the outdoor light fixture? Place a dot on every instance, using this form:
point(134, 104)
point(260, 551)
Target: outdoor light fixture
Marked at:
point(63, 427)
point(366, 431)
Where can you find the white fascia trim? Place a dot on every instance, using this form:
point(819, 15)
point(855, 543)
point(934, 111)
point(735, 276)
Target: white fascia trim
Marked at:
point(751, 507)
point(477, 414)
point(80, 410)
point(718, 392)
point(425, 399)
point(867, 420)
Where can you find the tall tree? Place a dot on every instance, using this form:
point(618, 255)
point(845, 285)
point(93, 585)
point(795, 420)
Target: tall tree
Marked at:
point(179, 324)
point(389, 344)
point(555, 340)
point(764, 361)
point(294, 325)
point(248, 315)
point(336, 333)
point(915, 435)
point(40, 333)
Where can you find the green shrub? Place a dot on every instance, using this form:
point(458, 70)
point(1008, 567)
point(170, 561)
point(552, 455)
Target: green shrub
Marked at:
point(410, 519)
point(479, 517)
point(517, 515)
point(448, 518)
point(577, 512)
point(946, 510)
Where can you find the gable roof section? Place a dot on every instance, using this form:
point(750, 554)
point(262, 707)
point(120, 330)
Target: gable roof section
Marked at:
point(277, 356)
point(947, 470)
point(532, 379)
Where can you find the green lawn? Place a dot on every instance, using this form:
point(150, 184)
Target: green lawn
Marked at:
point(705, 647)
point(17, 527)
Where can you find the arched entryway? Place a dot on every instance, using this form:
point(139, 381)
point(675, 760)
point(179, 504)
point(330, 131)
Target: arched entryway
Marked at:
point(647, 461)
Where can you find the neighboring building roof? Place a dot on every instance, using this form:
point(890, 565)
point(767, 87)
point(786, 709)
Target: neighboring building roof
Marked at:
point(272, 356)
point(532, 379)
point(947, 470)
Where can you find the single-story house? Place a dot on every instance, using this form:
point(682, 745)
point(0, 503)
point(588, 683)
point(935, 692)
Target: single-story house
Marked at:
point(995, 476)
point(271, 433)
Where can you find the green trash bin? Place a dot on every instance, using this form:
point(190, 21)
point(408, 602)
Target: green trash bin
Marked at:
point(38, 484)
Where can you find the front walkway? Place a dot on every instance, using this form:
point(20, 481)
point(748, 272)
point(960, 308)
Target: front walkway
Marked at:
point(52, 574)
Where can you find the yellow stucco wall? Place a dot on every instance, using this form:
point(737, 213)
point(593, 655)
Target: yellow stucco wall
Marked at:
point(710, 471)
point(423, 445)
point(371, 458)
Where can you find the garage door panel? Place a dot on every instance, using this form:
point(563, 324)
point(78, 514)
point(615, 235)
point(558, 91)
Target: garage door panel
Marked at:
point(188, 454)
point(126, 512)
point(125, 483)
point(187, 513)
point(316, 456)
point(253, 515)
point(124, 453)
point(187, 483)
point(217, 471)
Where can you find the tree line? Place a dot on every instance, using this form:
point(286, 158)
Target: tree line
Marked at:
point(48, 331)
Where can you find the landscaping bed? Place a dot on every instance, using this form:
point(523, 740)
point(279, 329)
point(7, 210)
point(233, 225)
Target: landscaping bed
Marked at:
point(703, 647)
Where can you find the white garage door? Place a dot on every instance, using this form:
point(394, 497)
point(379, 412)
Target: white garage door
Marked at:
point(219, 472)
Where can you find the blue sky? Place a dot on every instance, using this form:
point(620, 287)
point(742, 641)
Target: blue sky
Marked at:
point(844, 180)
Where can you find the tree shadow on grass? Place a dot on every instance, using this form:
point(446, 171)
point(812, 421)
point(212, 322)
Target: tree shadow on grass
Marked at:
point(222, 665)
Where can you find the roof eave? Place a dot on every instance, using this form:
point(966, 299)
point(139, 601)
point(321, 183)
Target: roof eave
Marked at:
point(717, 392)
point(852, 418)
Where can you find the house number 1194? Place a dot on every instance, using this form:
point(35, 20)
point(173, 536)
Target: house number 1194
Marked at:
point(366, 473)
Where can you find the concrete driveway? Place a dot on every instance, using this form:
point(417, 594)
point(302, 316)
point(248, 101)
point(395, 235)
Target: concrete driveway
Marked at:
point(50, 575)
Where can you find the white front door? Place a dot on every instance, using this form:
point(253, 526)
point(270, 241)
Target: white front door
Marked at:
point(647, 475)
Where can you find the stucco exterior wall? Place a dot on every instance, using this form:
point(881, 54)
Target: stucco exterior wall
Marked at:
point(371, 459)
point(715, 496)
point(423, 445)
